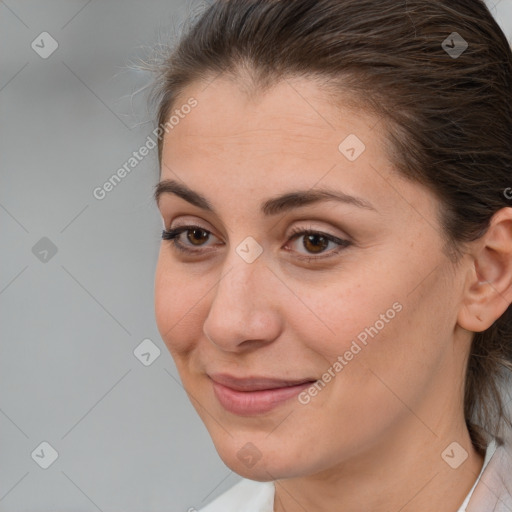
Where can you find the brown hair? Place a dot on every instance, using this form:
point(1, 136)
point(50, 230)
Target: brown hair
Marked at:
point(447, 114)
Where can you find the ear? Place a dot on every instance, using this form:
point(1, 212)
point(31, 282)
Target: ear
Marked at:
point(488, 291)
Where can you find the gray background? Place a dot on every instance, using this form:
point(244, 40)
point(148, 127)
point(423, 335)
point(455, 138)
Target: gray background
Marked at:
point(126, 435)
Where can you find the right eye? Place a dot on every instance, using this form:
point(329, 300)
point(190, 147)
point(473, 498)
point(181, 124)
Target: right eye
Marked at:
point(194, 234)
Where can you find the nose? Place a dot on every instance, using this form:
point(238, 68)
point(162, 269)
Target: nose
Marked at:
point(244, 312)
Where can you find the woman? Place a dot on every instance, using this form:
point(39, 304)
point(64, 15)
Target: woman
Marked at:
point(335, 278)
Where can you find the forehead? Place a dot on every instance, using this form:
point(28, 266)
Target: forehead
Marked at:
point(294, 116)
point(237, 149)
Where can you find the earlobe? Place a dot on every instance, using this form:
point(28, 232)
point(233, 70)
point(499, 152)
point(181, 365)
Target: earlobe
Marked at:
point(488, 291)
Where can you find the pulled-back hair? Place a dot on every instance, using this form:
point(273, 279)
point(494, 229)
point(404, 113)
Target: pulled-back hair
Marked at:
point(446, 110)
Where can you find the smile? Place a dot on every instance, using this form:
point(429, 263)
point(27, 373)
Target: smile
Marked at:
point(247, 397)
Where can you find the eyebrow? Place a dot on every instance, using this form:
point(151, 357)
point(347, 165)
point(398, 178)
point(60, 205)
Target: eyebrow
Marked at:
point(272, 206)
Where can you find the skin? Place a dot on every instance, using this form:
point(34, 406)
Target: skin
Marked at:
point(372, 439)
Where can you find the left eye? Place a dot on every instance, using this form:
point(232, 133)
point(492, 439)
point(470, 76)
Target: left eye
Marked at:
point(314, 242)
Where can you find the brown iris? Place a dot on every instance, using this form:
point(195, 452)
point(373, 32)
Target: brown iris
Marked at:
point(193, 237)
point(311, 243)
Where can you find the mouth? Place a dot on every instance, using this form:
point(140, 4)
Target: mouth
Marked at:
point(255, 395)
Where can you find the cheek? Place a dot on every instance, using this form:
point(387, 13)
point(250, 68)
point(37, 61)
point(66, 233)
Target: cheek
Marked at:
point(380, 330)
point(178, 300)
point(391, 352)
point(353, 312)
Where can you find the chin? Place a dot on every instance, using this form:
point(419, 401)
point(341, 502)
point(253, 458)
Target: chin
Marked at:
point(267, 464)
point(261, 471)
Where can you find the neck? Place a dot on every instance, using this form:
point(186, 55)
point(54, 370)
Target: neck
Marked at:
point(405, 471)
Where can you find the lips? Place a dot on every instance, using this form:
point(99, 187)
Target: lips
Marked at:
point(255, 383)
point(255, 395)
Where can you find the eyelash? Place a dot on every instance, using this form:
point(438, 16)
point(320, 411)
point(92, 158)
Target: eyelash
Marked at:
point(173, 234)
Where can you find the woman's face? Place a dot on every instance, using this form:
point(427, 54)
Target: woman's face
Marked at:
point(366, 306)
